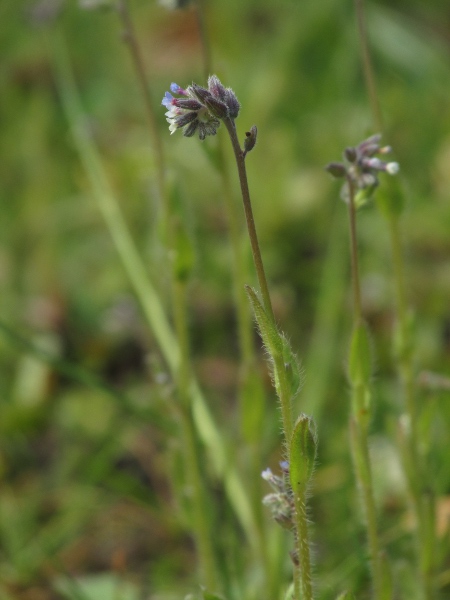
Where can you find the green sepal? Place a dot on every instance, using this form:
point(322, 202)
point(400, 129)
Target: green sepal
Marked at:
point(269, 333)
point(391, 198)
point(364, 196)
point(292, 367)
point(360, 359)
point(303, 450)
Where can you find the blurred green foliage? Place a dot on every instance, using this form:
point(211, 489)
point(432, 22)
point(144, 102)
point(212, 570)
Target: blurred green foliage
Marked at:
point(88, 439)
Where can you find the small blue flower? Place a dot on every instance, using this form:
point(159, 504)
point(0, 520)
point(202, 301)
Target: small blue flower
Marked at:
point(188, 113)
point(176, 89)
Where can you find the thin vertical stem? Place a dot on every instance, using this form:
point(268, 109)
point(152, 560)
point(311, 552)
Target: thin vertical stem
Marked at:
point(420, 500)
point(304, 553)
point(257, 258)
point(358, 425)
point(367, 65)
point(357, 309)
point(200, 508)
point(129, 36)
point(280, 371)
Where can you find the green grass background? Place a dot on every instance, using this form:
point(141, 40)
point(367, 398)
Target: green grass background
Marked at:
point(89, 445)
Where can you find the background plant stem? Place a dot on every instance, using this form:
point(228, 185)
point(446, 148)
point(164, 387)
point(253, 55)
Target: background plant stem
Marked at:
point(201, 506)
point(425, 535)
point(358, 422)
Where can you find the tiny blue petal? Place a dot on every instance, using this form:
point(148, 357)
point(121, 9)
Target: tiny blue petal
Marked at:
point(284, 465)
point(174, 87)
point(167, 99)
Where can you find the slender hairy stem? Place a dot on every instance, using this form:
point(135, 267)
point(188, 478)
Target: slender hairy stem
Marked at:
point(243, 314)
point(281, 381)
point(257, 259)
point(363, 471)
point(357, 310)
point(304, 553)
point(358, 423)
point(367, 65)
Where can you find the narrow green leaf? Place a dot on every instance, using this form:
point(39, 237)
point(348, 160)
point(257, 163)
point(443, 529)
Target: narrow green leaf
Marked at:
point(292, 367)
point(303, 449)
point(269, 334)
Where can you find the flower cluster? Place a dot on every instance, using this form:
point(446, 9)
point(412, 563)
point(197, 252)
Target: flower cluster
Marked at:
point(199, 109)
point(362, 167)
point(281, 501)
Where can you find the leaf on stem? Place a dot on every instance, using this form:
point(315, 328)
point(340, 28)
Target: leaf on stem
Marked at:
point(303, 450)
point(269, 333)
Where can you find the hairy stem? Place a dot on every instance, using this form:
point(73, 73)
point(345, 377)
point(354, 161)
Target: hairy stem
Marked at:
point(358, 424)
point(279, 367)
point(303, 549)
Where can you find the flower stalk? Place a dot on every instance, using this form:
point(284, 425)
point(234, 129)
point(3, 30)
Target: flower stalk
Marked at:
point(392, 207)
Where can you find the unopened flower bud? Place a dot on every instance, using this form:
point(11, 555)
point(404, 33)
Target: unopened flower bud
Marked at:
point(216, 88)
point(216, 107)
point(199, 92)
point(250, 140)
point(336, 169)
point(350, 154)
point(232, 102)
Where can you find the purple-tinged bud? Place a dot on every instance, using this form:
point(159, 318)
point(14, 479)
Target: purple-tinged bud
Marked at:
point(190, 129)
point(187, 103)
point(216, 88)
point(250, 140)
point(176, 89)
point(199, 92)
point(336, 169)
point(369, 150)
point(216, 107)
point(185, 119)
point(232, 102)
point(373, 163)
point(351, 154)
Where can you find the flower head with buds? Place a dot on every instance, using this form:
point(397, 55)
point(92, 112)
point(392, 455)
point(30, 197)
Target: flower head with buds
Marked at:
point(200, 110)
point(281, 500)
point(362, 168)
